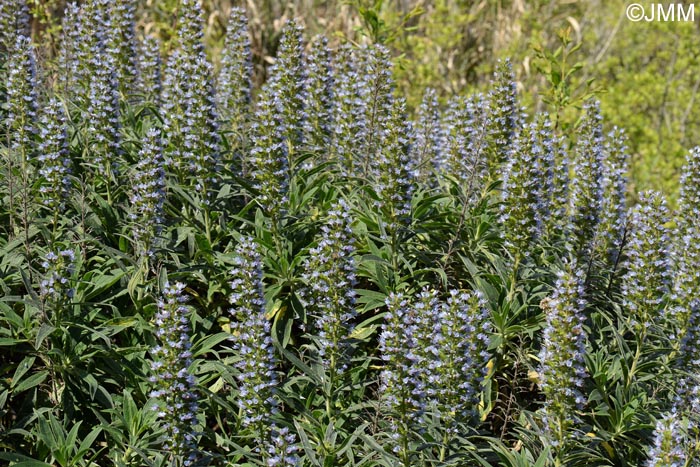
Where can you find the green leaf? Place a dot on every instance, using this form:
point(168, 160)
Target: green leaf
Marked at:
point(24, 366)
point(45, 330)
point(34, 380)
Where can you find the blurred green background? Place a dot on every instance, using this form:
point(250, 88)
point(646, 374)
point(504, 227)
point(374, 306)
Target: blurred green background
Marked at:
point(646, 74)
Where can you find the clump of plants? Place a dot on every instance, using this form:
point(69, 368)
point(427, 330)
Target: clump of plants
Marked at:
point(196, 271)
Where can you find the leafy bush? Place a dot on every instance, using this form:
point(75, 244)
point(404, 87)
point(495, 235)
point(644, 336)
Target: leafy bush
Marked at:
point(200, 271)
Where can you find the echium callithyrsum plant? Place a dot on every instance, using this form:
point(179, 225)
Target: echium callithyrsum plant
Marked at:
point(562, 368)
point(20, 125)
point(122, 40)
point(559, 222)
point(150, 69)
point(461, 337)
point(505, 115)
point(22, 100)
point(393, 172)
point(668, 449)
point(234, 85)
point(522, 216)
point(71, 56)
point(319, 97)
point(257, 366)
point(176, 399)
point(587, 189)
point(379, 105)
point(349, 119)
point(288, 86)
point(14, 22)
point(427, 149)
point(148, 194)
point(190, 128)
point(53, 157)
point(402, 387)
point(614, 209)
point(88, 52)
point(257, 375)
point(646, 284)
point(102, 116)
point(686, 247)
point(329, 296)
point(268, 157)
point(465, 126)
point(55, 288)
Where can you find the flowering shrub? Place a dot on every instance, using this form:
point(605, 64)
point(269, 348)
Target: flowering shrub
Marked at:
point(462, 284)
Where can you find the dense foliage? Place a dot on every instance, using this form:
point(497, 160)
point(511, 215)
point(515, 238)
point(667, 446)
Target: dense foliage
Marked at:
point(196, 270)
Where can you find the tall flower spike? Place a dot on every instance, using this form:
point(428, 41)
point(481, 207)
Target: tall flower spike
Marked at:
point(191, 137)
point(559, 222)
point(175, 394)
point(22, 99)
point(393, 169)
point(20, 127)
point(669, 442)
point(71, 57)
point(426, 309)
point(14, 22)
point(288, 86)
point(686, 255)
point(461, 335)
point(379, 105)
point(190, 28)
point(562, 365)
point(150, 69)
point(269, 157)
point(234, 84)
point(521, 210)
point(257, 375)
point(587, 188)
point(505, 114)
point(330, 297)
point(402, 387)
point(614, 208)
point(349, 118)
point(89, 52)
point(102, 115)
point(428, 146)
point(148, 193)
point(53, 156)
point(122, 40)
point(646, 284)
point(319, 97)
point(465, 127)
